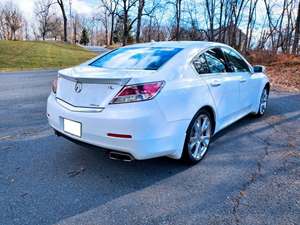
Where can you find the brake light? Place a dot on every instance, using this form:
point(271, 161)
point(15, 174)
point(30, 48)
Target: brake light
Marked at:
point(54, 85)
point(138, 92)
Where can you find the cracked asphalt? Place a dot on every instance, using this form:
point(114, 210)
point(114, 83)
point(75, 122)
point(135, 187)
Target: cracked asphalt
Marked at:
point(251, 174)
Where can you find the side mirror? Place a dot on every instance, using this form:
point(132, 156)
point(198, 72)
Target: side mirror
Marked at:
point(259, 69)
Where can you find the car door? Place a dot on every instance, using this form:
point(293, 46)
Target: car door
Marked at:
point(223, 86)
point(239, 68)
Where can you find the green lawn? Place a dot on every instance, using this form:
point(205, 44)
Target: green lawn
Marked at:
point(26, 55)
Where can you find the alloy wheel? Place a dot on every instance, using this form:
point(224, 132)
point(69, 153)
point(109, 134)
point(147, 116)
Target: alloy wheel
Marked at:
point(199, 137)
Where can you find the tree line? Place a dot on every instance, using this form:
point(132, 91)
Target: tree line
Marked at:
point(244, 24)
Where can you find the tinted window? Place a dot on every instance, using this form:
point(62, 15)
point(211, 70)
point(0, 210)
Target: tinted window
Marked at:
point(200, 65)
point(215, 61)
point(236, 63)
point(136, 58)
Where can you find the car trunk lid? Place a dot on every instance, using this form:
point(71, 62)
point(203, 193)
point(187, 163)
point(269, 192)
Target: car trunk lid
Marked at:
point(91, 87)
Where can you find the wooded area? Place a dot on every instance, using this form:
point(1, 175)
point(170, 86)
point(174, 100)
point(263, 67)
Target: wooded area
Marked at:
point(243, 24)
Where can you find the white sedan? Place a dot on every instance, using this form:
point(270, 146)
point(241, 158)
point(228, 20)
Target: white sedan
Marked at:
point(156, 99)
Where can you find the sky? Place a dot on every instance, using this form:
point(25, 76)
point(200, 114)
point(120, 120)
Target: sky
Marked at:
point(88, 7)
point(80, 6)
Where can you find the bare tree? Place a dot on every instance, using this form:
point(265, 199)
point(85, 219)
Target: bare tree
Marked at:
point(280, 25)
point(287, 39)
point(111, 6)
point(237, 15)
point(56, 25)
point(250, 23)
point(75, 25)
point(139, 19)
point(2, 24)
point(145, 10)
point(210, 6)
point(104, 19)
point(222, 3)
point(65, 19)
point(177, 4)
point(44, 15)
point(12, 20)
point(192, 20)
point(126, 6)
point(295, 48)
point(178, 11)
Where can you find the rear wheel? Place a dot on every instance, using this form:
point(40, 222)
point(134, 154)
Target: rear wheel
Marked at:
point(198, 137)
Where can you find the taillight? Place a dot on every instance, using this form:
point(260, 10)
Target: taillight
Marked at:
point(54, 85)
point(138, 92)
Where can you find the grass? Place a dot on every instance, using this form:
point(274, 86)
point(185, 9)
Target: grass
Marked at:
point(27, 55)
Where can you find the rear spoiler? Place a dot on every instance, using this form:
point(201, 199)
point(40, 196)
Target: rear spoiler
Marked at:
point(116, 81)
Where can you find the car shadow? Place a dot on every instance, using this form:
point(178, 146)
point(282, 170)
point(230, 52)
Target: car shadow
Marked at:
point(277, 114)
point(60, 179)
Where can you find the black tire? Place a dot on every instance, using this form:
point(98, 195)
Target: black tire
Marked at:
point(187, 155)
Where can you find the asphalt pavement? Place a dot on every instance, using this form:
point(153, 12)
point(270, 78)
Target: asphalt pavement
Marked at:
point(251, 174)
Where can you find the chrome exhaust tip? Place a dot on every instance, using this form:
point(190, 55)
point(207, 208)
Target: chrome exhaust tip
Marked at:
point(125, 157)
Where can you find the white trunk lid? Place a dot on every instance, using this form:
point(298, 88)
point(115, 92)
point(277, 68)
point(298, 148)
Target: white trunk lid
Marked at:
point(89, 93)
point(91, 87)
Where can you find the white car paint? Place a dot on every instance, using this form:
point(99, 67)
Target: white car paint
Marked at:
point(157, 126)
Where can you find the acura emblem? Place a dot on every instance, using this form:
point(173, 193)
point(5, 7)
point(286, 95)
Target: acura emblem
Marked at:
point(78, 87)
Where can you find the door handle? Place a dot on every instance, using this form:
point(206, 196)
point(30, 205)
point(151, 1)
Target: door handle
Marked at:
point(243, 80)
point(215, 83)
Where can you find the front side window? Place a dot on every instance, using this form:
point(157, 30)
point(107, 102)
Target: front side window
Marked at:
point(235, 62)
point(139, 58)
point(215, 61)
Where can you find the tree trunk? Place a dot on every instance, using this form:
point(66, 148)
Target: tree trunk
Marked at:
point(295, 49)
point(125, 27)
point(75, 29)
point(220, 20)
point(112, 29)
point(178, 18)
point(61, 5)
point(106, 32)
point(150, 30)
point(279, 39)
point(65, 28)
point(139, 19)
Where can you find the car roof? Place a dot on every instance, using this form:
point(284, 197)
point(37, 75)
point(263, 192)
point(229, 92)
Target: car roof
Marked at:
point(178, 44)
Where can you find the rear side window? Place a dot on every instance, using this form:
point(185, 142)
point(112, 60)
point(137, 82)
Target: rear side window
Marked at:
point(139, 58)
point(211, 61)
point(235, 62)
point(200, 65)
point(215, 61)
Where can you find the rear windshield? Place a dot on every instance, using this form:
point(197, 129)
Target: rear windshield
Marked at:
point(138, 58)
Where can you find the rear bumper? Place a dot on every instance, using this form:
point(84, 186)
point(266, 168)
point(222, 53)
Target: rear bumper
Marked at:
point(152, 135)
point(86, 145)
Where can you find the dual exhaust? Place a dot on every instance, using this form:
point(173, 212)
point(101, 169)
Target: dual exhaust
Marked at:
point(122, 156)
point(125, 157)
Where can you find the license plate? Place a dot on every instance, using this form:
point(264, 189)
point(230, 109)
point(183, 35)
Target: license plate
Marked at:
point(72, 127)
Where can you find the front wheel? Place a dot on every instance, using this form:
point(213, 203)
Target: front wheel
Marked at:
point(263, 103)
point(197, 138)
